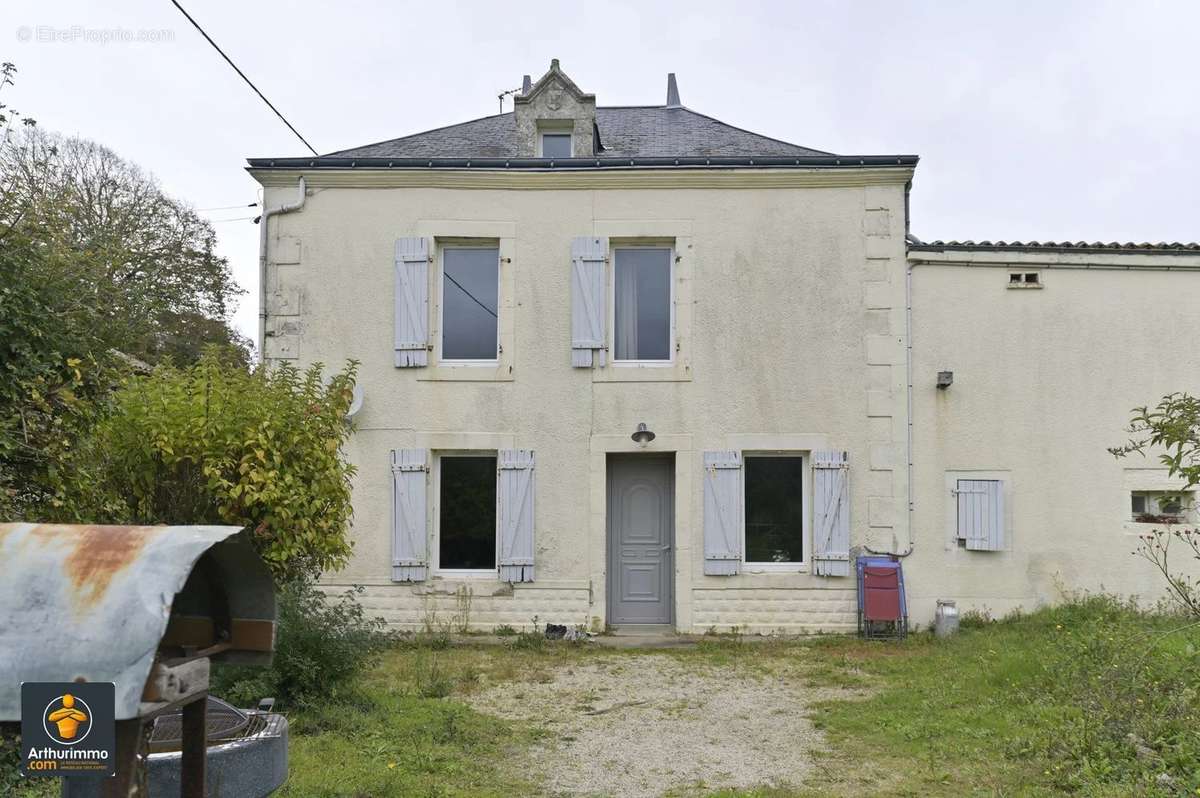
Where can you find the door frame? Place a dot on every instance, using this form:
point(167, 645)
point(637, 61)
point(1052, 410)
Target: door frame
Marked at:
point(667, 459)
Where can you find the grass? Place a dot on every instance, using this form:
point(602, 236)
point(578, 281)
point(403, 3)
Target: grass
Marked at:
point(1092, 698)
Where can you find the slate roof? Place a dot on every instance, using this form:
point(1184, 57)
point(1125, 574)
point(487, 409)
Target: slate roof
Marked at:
point(625, 132)
point(1056, 246)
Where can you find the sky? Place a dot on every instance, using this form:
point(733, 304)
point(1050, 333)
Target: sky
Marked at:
point(1034, 120)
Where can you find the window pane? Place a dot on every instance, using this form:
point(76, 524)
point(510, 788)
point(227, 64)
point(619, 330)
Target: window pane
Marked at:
point(1139, 503)
point(642, 310)
point(470, 283)
point(556, 145)
point(467, 513)
point(774, 509)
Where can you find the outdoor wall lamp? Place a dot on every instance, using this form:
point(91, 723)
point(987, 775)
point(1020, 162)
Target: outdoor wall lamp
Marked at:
point(945, 380)
point(642, 434)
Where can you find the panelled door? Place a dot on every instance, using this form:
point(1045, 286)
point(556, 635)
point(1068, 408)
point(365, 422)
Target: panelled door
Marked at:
point(641, 540)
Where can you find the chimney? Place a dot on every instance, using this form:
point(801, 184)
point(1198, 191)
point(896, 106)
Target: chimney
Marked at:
point(672, 92)
point(526, 85)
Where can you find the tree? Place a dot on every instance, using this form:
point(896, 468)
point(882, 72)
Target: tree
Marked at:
point(215, 443)
point(1173, 426)
point(144, 261)
point(97, 264)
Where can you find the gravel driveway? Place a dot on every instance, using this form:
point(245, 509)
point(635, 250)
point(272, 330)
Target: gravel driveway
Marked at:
point(642, 724)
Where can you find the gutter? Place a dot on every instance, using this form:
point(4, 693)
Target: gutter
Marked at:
point(586, 164)
point(262, 263)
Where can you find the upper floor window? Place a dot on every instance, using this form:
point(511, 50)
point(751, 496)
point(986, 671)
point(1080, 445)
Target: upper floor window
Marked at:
point(556, 145)
point(642, 304)
point(470, 297)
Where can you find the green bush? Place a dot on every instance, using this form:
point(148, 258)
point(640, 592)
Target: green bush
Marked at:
point(322, 643)
point(216, 443)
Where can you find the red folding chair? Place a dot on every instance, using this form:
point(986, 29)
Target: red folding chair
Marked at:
point(883, 614)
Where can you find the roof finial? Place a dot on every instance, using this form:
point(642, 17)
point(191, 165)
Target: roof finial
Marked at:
point(554, 63)
point(526, 84)
point(672, 92)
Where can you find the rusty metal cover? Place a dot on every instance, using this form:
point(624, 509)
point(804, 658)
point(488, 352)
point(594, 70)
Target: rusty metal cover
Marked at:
point(90, 602)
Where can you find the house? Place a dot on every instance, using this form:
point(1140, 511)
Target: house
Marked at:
point(633, 365)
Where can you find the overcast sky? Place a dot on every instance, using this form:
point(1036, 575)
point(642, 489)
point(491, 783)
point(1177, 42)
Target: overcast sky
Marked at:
point(1033, 120)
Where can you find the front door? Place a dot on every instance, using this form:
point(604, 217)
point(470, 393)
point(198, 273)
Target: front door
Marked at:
point(641, 540)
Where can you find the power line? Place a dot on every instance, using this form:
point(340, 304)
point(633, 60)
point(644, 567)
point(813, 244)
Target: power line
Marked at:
point(229, 61)
point(228, 207)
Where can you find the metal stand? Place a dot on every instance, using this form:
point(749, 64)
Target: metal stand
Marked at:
point(133, 747)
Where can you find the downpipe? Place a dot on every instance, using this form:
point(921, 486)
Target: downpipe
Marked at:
point(262, 263)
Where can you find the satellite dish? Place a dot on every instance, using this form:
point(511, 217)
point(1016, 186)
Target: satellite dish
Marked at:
point(356, 402)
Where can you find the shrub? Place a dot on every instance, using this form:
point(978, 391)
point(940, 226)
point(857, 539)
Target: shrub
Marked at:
point(216, 443)
point(322, 643)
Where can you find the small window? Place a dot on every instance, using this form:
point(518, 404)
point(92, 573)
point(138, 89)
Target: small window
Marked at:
point(470, 293)
point(642, 317)
point(556, 145)
point(980, 511)
point(1160, 507)
point(467, 513)
point(1024, 279)
point(774, 498)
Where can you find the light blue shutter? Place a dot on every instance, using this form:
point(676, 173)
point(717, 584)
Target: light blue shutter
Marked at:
point(981, 513)
point(831, 514)
point(410, 557)
point(588, 308)
point(412, 302)
point(722, 513)
point(515, 498)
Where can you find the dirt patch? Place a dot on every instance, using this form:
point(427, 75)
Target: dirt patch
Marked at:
point(641, 725)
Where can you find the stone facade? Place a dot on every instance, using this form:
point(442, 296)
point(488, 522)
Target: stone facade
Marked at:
point(556, 104)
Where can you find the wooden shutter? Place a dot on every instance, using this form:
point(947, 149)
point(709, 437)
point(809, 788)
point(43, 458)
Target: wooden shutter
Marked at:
point(831, 514)
point(410, 547)
point(981, 513)
point(412, 302)
point(722, 513)
point(515, 499)
point(588, 308)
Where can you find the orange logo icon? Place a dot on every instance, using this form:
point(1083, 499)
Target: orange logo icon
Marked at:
point(68, 718)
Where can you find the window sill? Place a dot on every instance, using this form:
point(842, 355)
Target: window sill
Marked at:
point(641, 372)
point(1139, 528)
point(465, 373)
point(774, 568)
point(452, 575)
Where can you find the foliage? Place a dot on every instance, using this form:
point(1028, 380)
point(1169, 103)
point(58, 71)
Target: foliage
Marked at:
point(1173, 427)
point(1155, 547)
point(1092, 697)
point(216, 443)
point(146, 262)
point(321, 645)
point(98, 268)
point(51, 382)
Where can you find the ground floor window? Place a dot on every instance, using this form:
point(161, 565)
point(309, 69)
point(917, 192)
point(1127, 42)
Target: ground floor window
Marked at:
point(1160, 507)
point(467, 513)
point(774, 505)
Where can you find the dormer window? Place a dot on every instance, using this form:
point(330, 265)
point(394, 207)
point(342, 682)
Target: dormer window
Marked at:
point(555, 145)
